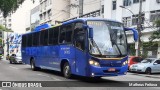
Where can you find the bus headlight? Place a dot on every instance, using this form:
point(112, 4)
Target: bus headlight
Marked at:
point(125, 63)
point(94, 63)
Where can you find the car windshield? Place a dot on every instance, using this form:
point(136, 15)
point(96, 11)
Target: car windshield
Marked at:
point(109, 38)
point(147, 61)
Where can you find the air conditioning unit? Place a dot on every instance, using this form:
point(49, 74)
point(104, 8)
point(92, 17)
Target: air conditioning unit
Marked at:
point(158, 1)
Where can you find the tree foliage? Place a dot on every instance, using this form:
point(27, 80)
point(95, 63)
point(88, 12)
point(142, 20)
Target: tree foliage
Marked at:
point(2, 28)
point(156, 34)
point(9, 6)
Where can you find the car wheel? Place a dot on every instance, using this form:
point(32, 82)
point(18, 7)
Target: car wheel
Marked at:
point(67, 70)
point(148, 71)
point(33, 67)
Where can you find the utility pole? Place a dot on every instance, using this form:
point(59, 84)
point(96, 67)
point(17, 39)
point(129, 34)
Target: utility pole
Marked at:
point(81, 7)
point(139, 28)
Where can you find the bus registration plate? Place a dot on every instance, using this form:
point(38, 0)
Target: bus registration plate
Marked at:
point(111, 69)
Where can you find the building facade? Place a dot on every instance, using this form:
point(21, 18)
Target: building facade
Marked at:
point(129, 16)
point(54, 11)
point(35, 19)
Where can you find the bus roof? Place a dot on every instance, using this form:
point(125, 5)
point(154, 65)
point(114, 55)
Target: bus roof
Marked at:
point(88, 19)
point(47, 26)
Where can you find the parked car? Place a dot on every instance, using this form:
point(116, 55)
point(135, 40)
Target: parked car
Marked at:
point(148, 66)
point(15, 58)
point(134, 60)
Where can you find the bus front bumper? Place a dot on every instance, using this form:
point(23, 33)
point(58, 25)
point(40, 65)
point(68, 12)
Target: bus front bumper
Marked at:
point(104, 71)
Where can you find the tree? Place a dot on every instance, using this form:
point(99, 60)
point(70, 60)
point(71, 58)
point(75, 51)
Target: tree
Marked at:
point(2, 28)
point(156, 34)
point(9, 6)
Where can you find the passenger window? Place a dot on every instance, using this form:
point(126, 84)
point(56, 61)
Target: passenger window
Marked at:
point(24, 40)
point(36, 39)
point(51, 36)
point(29, 40)
point(44, 38)
point(79, 36)
point(56, 34)
point(66, 34)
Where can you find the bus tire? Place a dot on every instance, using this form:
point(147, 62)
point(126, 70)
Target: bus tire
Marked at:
point(33, 67)
point(66, 70)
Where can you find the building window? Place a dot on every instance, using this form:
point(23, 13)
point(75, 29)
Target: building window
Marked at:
point(9, 25)
point(135, 19)
point(114, 5)
point(45, 3)
point(49, 13)
point(9, 20)
point(102, 8)
point(155, 15)
point(127, 21)
point(41, 17)
point(137, 1)
point(44, 15)
point(50, 1)
point(126, 2)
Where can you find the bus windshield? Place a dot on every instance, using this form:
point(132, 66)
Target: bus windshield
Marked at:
point(109, 38)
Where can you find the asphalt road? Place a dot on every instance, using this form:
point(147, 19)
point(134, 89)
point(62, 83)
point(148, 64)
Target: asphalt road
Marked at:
point(21, 72)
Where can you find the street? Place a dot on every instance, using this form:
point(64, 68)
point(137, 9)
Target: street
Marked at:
point(21, 72)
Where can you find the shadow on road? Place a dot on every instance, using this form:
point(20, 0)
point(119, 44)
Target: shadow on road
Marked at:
point(80, 79)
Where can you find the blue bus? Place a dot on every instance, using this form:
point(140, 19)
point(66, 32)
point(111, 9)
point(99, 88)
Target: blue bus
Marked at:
point(86, 47)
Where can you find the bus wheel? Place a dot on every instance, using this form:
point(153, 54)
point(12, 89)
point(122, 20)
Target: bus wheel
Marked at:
point(33, 67)
point(66, 70)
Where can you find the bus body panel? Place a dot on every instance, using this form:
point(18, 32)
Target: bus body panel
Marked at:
point(81, 62)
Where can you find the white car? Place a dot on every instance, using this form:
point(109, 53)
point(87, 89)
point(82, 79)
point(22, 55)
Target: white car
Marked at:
point(148, 66)
point(15, 58)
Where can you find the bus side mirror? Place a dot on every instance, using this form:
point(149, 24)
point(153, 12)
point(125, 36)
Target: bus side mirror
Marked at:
point(135, 33)
point(91, 33)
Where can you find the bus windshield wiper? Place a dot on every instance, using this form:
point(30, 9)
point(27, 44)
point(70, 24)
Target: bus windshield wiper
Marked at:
point(114, 43)
point(93, 44)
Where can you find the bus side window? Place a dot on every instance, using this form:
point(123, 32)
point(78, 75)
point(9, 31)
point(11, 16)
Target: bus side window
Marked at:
point(66, 34)
point(79, 36)
point(24, 40)
point(36, 39)
point(51, 35)
point(29, 40)
point(62, 35)
point(44, 38)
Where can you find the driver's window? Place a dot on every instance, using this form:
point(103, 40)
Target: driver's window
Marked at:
point(158, 62)
point(79, 36)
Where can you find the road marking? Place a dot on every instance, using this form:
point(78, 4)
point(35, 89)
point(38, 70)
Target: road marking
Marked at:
point(49, 77)
point(13, 67)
